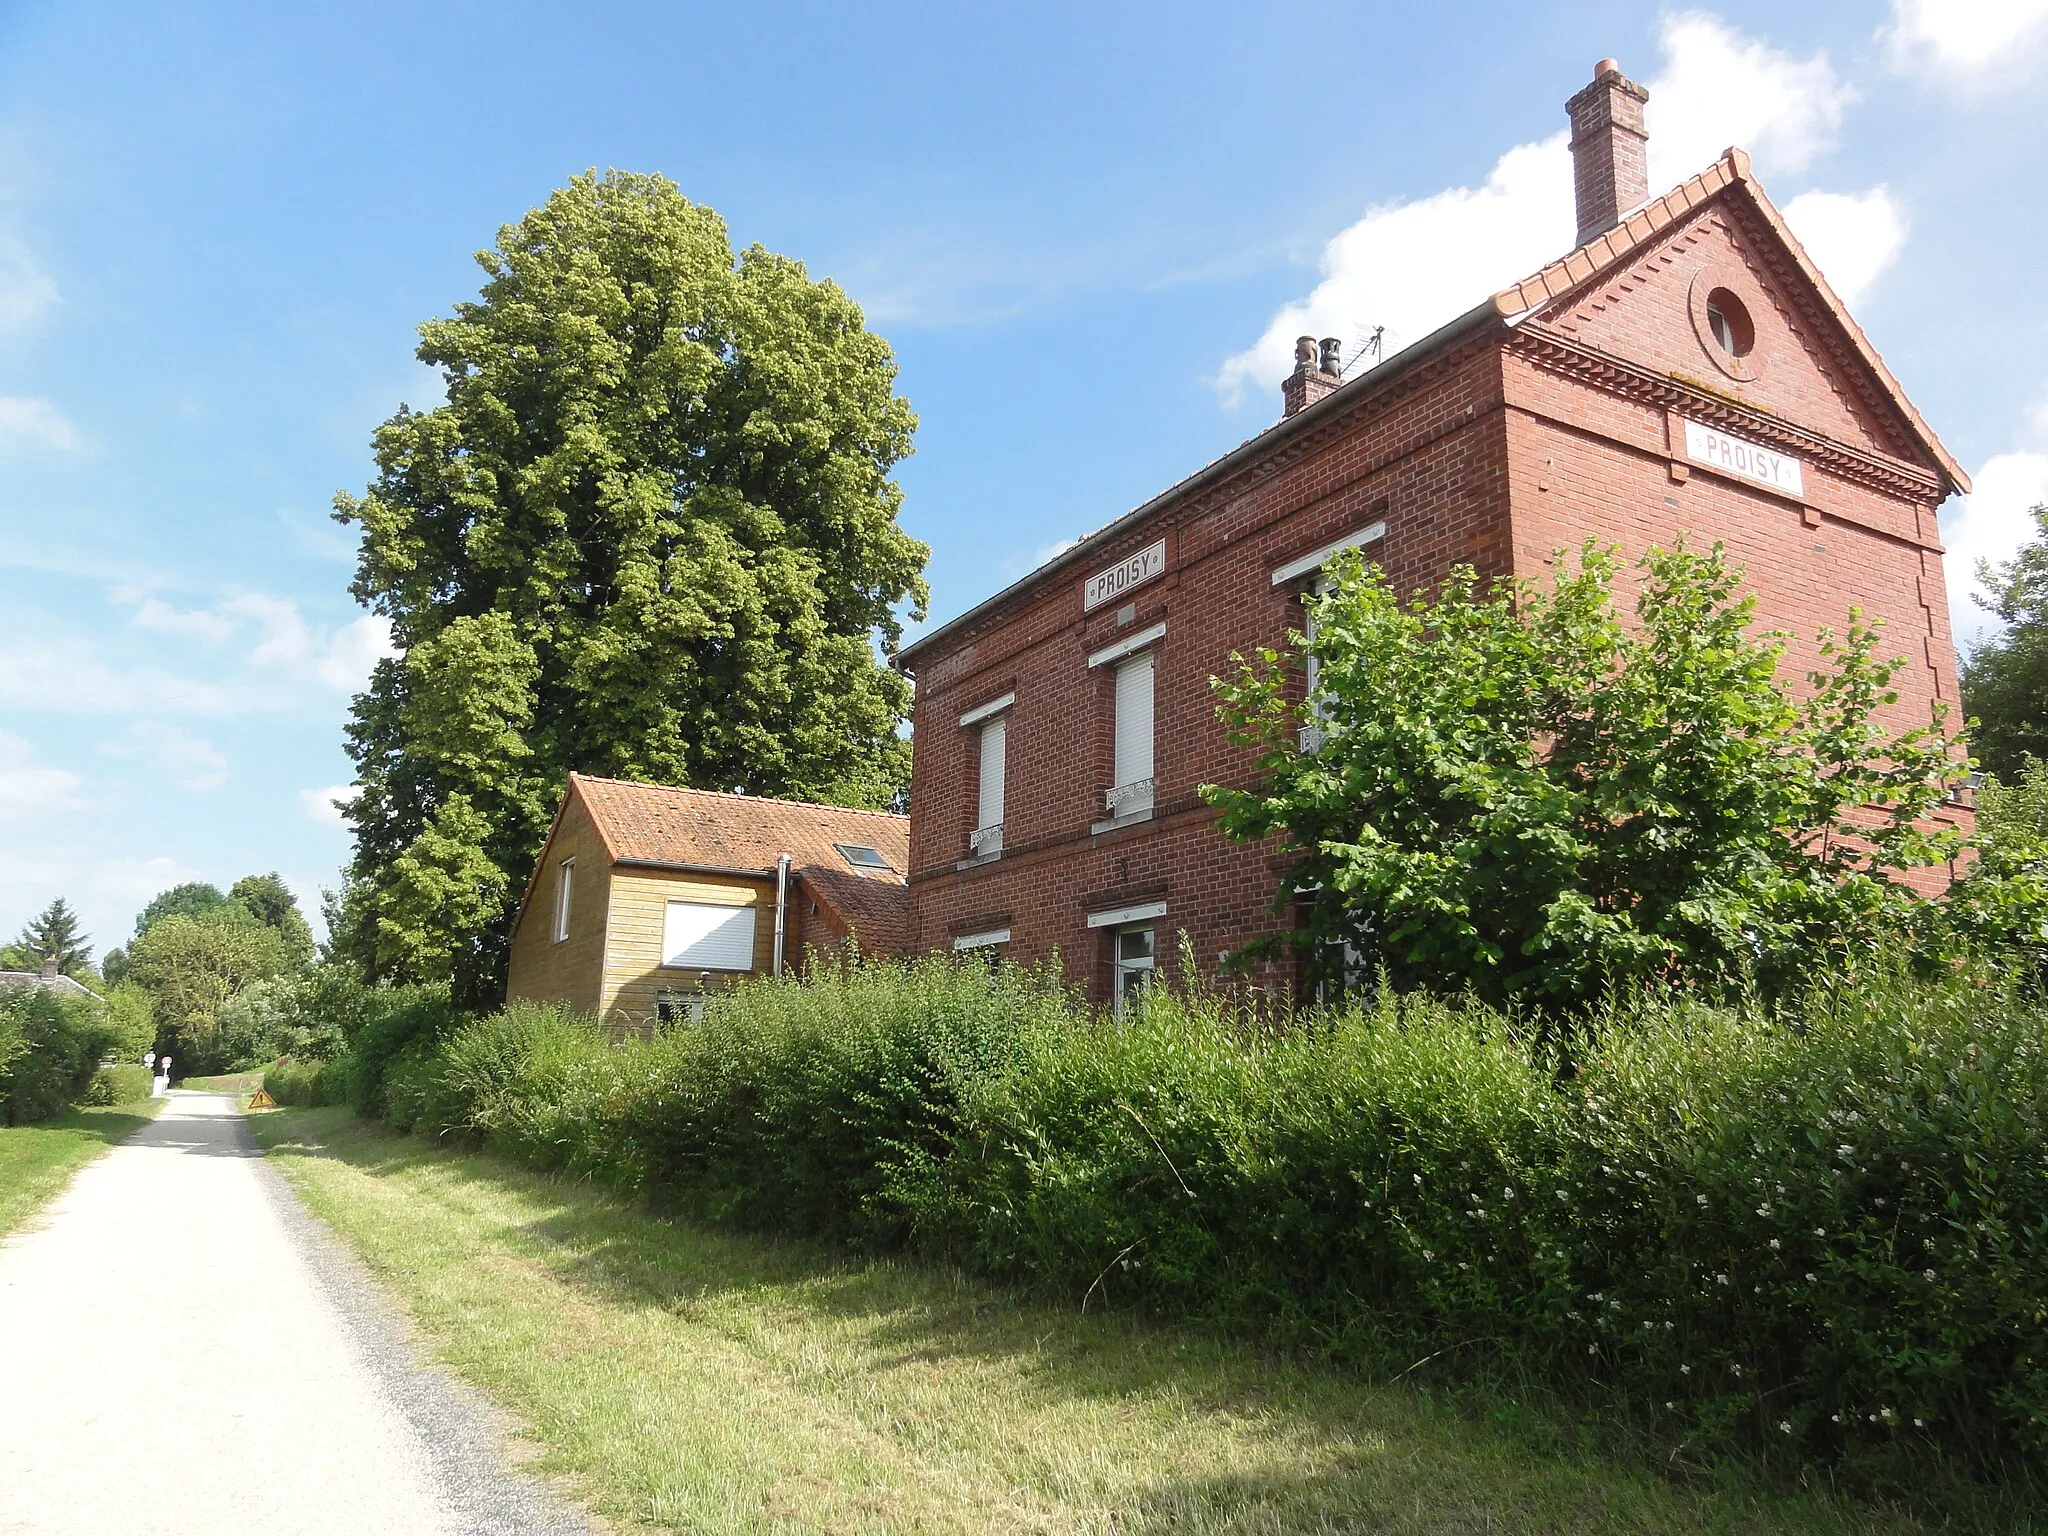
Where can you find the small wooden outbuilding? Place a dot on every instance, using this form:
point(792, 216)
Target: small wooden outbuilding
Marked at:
point(647, 896)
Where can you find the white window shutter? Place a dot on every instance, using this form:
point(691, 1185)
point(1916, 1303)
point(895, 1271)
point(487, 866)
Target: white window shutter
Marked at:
point(995, 742)
point(706, 936)
point(1134, 734)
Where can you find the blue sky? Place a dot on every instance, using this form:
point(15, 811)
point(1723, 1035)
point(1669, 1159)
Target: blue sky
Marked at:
point(1089, 231)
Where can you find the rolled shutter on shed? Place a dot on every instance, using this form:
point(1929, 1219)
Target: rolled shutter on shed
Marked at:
point(708, 936)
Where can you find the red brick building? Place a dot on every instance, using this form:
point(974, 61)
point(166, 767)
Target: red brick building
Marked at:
point(1684, 371)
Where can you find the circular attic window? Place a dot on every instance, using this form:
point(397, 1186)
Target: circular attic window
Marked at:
point(1728, 318)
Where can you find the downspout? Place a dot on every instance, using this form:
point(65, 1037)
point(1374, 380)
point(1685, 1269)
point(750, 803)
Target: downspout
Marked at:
point(781, 909)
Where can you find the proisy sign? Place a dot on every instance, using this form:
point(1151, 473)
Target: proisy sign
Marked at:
point(1750, 461)
point(1108, 585)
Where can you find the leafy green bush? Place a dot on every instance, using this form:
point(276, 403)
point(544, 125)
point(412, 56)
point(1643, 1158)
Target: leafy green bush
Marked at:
point(1827, 1233)
point(1518, 793)
point(50, 1047)
point(390, 1021)
point(304, 1084)
point(123, 1084)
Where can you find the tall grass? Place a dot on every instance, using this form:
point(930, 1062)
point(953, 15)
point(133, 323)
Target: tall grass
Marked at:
point(1826, 1234)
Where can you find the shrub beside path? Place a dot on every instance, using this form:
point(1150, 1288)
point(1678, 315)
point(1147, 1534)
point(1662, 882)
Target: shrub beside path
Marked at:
point(184, 1349)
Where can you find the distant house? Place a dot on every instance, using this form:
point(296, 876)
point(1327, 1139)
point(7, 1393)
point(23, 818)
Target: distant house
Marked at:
point(49, 978)
point(647, 896)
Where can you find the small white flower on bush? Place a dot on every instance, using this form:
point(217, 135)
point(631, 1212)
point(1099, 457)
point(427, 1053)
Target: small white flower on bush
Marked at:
point(1811, 1276)
point(1685, 1370)
point(1592, 1349)
point(1699, 1199)
point(1820, 1231)
point(1428, 1256)
point(1720, 1279)
point(1927, 1274)
point(1776, 1245)
point(1785, 1426)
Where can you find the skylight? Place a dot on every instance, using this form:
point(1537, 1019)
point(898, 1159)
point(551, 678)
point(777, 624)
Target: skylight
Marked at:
point(864, 858)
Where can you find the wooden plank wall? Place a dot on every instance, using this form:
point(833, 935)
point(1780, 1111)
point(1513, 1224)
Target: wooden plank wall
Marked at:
point(568, 972)
point(633, 972)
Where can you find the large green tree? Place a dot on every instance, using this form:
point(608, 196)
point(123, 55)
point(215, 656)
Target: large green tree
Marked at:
point(1515, 791)
point(270, 901)
point(2005, 680)
point(191, 966)
point(651, 534)
point(53, 932)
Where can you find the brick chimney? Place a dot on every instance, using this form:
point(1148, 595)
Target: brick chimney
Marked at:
point(1610, 158)
point(49, 969)
point(1317, 371)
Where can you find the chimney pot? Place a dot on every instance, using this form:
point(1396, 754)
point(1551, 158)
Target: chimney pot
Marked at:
point(1610, 150)
point(1315, 374)
point(1332, 359)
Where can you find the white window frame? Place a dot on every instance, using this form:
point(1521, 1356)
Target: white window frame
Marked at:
point(986, 840)
point(983, 940)
point(1128, 977)
point(1314, 560)
point(565, 889)
point(1314, 733)
point(1133, 793)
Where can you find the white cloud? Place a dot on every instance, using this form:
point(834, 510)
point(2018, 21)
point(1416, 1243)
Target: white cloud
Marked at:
point(32, 422)
point(1411, 267)
point(188, 761)
point(28, 787)
point(340, 658)
point(1991, 523)
point(1851, 236)
point(66, 677)
point(324, 805)
point(25, 289)
point(1977, 44)
point(161, 617)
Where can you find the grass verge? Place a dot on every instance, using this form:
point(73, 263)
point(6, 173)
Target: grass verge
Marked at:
point(691, 1380)
point(38, 1160)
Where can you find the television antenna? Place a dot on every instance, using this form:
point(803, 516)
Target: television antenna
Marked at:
point(1370, 344)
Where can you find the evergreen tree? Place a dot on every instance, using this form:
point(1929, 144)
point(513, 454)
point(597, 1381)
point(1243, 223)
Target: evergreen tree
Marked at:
point(54, 932)
point(652, 534)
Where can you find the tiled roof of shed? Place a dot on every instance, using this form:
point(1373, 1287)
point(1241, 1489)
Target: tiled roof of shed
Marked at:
point(661, 824)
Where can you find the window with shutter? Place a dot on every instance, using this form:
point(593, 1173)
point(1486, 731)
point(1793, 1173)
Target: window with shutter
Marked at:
point(706, 936)
point(988, 826)
point(1132, 792)
point(565, 881)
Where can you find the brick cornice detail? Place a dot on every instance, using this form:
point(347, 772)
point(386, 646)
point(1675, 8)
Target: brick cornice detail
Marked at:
point(1291, 450)
point(1575, 360)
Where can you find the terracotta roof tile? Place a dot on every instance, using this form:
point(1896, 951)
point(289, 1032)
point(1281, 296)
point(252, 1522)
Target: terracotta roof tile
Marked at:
point(662, 824)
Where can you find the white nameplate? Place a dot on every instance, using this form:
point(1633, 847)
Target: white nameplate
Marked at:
point(1766, 466)
point(1107, 586)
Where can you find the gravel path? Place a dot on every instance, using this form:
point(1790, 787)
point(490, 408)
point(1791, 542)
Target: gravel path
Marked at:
point(184, 1349)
